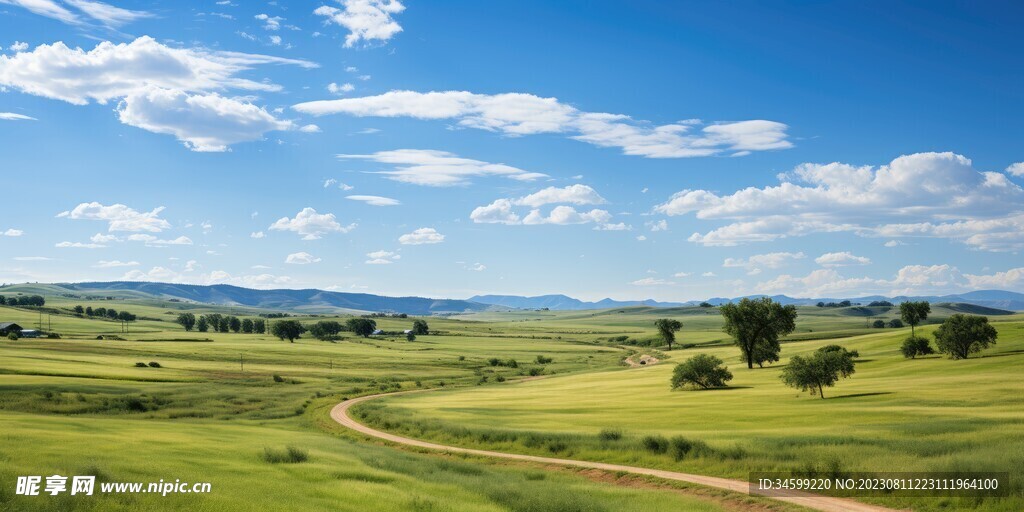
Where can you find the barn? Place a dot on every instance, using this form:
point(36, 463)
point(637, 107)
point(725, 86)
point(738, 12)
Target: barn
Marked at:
point(9, 327)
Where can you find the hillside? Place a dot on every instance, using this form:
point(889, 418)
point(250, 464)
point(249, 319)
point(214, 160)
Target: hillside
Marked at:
point(305, 301)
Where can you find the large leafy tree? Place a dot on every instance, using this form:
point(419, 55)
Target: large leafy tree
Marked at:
point(818, 371)
point(361, 326)
point(756, 326)
point(287, 329)
point(961, 335)
point(187, 320)
point(667, 328)
point(913, 313)
point(702, 371)
point(420, 328)
point(325, 329)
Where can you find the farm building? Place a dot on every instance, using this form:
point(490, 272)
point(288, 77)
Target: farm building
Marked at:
point(9, 327)
point(29, 333)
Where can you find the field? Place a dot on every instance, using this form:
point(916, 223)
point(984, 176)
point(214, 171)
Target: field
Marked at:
point(221, 405)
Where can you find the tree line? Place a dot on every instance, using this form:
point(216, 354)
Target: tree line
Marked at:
point(23, 300)
point(109, 313)
point(756, 325)
point(291, 330)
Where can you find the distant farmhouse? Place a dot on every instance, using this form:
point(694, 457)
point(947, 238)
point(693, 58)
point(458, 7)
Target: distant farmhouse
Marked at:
point(9, 327)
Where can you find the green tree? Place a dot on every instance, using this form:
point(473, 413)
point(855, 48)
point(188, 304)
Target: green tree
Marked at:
point(187, 320)
point(961, 335)
point(247, 326)
point(915, 346)
point(703, 371)
point(410, 336)
point(878, 324)
point(287, 329)
point(112, 313)
point(816, 372)
point(224, 324)
point(325, 330)
point(756, 326)
point(419, 328)
point(259, 326)
point(203, 324)
point(361, 326)
point(913, 313)
point(125, 316)
point(88, 311)
point(79, 309)
point(234, 323)
point(896, 323)
point(667, 328)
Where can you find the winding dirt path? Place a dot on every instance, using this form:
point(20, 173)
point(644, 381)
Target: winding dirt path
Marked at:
point(825, 503)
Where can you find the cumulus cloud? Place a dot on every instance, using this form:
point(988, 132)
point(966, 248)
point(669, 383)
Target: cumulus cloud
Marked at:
point(841, 259)
point(498, 212)
point(78, 245)
point(310, 224)
point(908, 280)
point(270, 22)
point(366, 20)
point(382, 257)
point(301, 258)
point(257, 234)
point(375, 200)
point(936, 195)
point(1016, 169)
point(162, 89)
point(563, 215)
point(334, 88)
point(525, 114)
point(758, 262)
point(572, 194)
point(153, 241)
point(115, 264)
point(421, 236)
point(12, 232)
point(439, 168)
point(166, 275)
point(119, 217)
point(11, 116)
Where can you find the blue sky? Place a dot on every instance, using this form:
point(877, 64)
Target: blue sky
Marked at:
point(627, 149)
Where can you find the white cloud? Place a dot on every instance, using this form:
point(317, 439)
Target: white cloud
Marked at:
point(525, 114)
point(375, 200)
point(661, 225)
point(153, 241)
point(163, 274)
point(894, 243)
point(439, 168)
point(115, 264)
point(31, 258)
point(18, 46)
point(936, 195)
point(758, 262)
point(119, 217)
point(382, 257)
point(311, 225)
point(421, 236)
point(12, 232)
point(682, 274)
point(11, 116)
point(498, 212)
point(477, 267)
point(641, 238)
point(709, 274)
point(257, 234)
point(619, 226)
point(651, 281)
point(107, 14)
point(1016, 169)
point(202, 122)
point(909, 280)
point(48, 8)
point(841, 259)
point(330, 182)
point(310, 128)
point(275, 40)
point(366, 20)
point(572, 194)
point(270, 22)
point(160, 89)
point(301, 258)
point(191, 265)
point(334, 88)
point(563, 215)
point(79, 245)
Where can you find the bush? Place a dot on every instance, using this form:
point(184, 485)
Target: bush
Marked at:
point(916, 346)
point(154, 364)
point(655, 444)
point(701, 371)
point(493, 361)
point(13, 336)
point(895, 323)
point(290, 455)
point(543, 360)
point(878, 324)
point(278, 378)
point(535, 371)
point(140, 365)
point(500, 378)
point(609, 434)
point(680, 447)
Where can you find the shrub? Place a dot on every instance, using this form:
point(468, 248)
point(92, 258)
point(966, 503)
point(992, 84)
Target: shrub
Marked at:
point(535, 371)
point(462, 358)
point(543, 360)
point(702, 371)
point(290, 455)
point(680, 447)
point(609, 434)
point(13, 336)
point(895, 323)
point(878, 324)
point(655, 444)
point(140, 364)
point(493, 361)
point(278, 378)
point(916, 346)
point(154, 364)
point(500, 378)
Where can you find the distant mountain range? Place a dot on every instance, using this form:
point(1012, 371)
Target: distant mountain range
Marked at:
point(307, 301)
point(989, 298)
point(320, 301)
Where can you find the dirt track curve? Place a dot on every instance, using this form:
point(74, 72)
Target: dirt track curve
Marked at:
point(825, 503)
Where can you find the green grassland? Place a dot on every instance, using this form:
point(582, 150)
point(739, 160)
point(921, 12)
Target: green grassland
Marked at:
point(894, 414)
point(79, 406)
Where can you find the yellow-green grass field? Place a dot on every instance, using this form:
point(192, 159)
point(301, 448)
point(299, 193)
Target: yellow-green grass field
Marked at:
point(894, 414)
point(79, 406)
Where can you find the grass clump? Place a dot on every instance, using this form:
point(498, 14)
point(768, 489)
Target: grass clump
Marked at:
point(609, 434)
point(289, 455)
